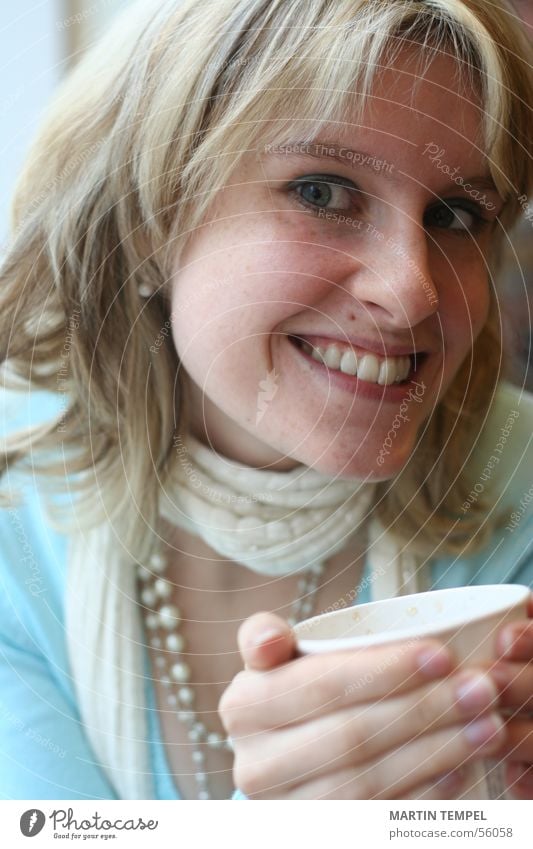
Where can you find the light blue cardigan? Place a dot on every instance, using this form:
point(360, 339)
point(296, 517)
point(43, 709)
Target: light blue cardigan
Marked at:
point(44, 752)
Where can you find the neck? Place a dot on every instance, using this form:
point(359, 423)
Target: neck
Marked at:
point(193, 565)
point(196, 565)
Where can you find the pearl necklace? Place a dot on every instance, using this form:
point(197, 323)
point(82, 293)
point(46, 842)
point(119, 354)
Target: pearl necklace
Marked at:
point(162, 620)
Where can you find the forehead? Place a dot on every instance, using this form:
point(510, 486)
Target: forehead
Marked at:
point(412, 104)
point(425, 92)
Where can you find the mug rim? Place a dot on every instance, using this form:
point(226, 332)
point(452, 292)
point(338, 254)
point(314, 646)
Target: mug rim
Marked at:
point(515, 594)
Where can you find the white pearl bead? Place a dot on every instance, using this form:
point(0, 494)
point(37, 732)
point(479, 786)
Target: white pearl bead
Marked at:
point(152, 621)
point(214, 740)
point(155, 592)
point(185, 715)
point(157, 563)
point(169, 616)
point(186, 695)
point(181, 672)
point(163, 588)
point(175, 642)
point(148, 597)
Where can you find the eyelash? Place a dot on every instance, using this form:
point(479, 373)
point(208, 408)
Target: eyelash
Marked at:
point(474, 209)
point(480, 221)
point(324, 179)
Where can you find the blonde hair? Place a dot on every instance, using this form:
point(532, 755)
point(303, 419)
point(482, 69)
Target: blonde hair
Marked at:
point(140, 138)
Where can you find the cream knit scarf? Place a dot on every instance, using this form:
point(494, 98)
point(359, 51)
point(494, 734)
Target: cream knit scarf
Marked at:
point(273, 522)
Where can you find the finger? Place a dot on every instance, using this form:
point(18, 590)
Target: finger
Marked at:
point(518, 745)
point(519, 779)
point(418, 762)
point(265, 641)
point(359, 734)
point(515, 684)
point(400, 772)
point(515, 641)
point(447, 786)
point(314, 685)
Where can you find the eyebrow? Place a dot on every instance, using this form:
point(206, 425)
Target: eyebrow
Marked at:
point(347, 156)
point(332, 150)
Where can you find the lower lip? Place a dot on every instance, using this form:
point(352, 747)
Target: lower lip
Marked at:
point(362, 388)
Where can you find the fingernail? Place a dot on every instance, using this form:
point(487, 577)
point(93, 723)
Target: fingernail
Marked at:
point(500, 674)
point(507, 642)
point(511, 638)
point(475, 693)
point(484, 731)
point(269, 635)
point(434, 661)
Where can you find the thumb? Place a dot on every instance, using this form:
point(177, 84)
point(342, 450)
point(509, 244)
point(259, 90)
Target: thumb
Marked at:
point(265, 641)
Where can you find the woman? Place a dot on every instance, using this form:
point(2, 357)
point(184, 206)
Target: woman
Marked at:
point(252, 259)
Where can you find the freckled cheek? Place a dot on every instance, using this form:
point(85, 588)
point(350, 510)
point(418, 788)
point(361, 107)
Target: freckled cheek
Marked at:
point(282, 276)
point(301, 272)
point(252, 286)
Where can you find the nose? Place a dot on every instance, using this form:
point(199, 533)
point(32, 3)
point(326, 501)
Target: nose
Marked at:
point(395, 282)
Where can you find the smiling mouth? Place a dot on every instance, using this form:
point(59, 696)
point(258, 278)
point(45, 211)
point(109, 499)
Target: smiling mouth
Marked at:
point(365, 365)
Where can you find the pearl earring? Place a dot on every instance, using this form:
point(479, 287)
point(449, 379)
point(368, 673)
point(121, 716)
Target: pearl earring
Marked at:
point(145, 290)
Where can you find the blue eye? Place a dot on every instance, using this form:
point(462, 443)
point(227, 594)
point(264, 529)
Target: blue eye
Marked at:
point(324, 191)
point(319, 194)
point(462, 218)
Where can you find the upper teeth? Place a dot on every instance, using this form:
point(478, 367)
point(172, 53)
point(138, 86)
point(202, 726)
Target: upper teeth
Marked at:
point(366, 366)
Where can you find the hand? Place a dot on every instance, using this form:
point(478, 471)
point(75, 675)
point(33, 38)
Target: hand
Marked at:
point(392, 722)
point(513, 674)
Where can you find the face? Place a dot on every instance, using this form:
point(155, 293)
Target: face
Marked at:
point(336, 288)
